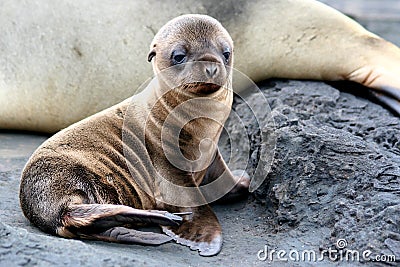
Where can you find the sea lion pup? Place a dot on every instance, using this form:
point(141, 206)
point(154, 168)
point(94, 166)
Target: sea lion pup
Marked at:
point(87, 182)
point(59, 63)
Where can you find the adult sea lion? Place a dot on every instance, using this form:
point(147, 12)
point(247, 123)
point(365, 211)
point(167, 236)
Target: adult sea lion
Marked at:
point(61, 61)
point(105, 175)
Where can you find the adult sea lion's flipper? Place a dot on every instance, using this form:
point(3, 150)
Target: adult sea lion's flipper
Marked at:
point(381, 72)
point(315, 41)
point(392, 102)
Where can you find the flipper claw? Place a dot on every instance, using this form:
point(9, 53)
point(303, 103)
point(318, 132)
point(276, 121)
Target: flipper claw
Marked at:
point(174, 217)
point(204, 248)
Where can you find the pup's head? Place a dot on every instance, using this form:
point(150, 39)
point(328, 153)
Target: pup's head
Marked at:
point(193, 52)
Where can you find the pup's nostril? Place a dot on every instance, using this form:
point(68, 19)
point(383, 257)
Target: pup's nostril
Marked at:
point(211, 70)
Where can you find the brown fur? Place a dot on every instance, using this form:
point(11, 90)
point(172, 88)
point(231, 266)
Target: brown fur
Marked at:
point(98, 178)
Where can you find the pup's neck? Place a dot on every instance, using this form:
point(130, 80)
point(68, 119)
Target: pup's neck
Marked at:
point(186, 127)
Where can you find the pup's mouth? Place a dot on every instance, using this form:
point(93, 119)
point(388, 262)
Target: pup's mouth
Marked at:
point(202, 88)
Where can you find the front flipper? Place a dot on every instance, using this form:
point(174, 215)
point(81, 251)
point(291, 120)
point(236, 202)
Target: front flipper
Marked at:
point(241, 188)
point(201, 232)
point(104, 221)
point(234, 184)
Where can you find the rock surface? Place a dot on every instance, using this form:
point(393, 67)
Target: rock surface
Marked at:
point(336, 165)
point(335, 175)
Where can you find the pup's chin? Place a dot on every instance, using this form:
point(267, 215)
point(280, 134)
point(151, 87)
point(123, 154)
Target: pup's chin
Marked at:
point(202, 88)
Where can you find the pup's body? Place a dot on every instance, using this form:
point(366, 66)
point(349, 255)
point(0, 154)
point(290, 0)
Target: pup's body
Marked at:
point(111, 172)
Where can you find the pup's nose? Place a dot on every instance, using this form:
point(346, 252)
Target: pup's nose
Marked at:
point(211, 69)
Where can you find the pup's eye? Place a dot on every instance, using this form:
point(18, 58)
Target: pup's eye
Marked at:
point(227, 55)
point(178, 57)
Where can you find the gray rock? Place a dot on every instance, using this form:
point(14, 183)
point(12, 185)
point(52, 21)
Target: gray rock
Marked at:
point(336, 165)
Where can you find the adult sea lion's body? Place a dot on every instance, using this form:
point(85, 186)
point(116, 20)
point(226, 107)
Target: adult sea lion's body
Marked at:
point(108, 173)
point(63, 61)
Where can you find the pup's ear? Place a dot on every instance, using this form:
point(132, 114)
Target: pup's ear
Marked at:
point(152, 54)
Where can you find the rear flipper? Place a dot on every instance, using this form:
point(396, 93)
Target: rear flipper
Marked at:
point(105, 221)
point(201, 231)
point(126, 235)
